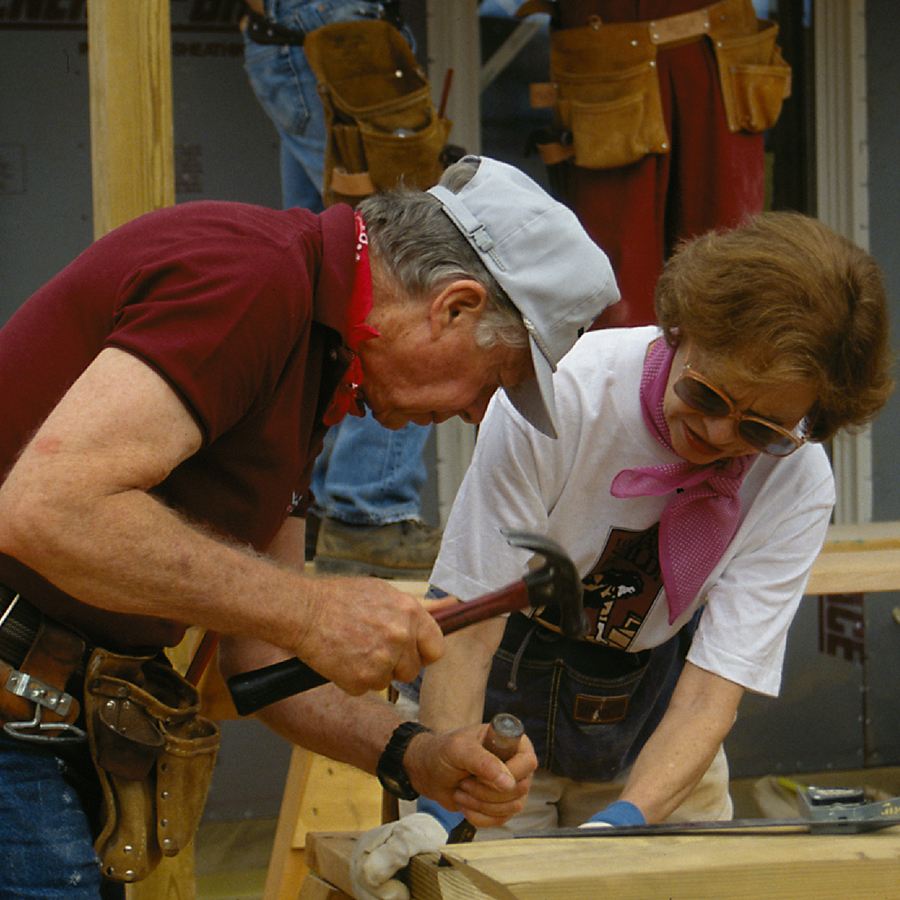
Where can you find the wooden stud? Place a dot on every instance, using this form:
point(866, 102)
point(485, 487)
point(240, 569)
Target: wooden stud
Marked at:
point(130, 66)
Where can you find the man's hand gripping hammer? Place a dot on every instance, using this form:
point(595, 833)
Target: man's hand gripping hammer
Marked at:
point(554, 582)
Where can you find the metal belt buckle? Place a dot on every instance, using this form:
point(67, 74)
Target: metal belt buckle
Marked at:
point(44, 696)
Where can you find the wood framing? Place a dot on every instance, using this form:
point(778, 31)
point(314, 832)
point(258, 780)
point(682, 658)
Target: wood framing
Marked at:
point(842, 196)
point(130, 65)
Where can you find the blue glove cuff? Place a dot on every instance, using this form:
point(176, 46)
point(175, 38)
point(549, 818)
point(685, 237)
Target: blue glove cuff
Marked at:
point(448, 819)
point(620, 813)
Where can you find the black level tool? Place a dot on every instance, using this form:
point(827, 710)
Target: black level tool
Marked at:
point(818, 818)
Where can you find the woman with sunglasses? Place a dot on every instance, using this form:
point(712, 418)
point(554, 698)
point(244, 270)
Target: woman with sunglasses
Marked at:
point(691, 490)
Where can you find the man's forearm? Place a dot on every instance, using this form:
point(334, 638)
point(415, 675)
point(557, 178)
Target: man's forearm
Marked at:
point(76, 508)
point(326, 720)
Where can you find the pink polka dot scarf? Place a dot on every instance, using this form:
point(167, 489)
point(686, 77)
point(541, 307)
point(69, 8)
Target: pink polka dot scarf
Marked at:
point(700, 520)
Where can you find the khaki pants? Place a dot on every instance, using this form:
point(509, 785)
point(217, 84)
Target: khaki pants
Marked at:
point(557, 802)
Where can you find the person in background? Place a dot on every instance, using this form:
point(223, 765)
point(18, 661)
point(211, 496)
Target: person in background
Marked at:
point(368, 480)
point(692, 158)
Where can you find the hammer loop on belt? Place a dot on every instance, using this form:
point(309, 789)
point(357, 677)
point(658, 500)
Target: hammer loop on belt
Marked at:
point(41, 669)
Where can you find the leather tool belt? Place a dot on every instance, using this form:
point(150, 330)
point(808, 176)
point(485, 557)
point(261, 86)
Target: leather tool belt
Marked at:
point(605, 94)
point(41, 674)
point(261, 30)
point(382, 127)
point(154, 754)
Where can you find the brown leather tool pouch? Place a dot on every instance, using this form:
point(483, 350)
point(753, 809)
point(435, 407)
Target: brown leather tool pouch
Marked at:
point(754, 77)
point(606, 94)
point(154, 755)
point(381, 124)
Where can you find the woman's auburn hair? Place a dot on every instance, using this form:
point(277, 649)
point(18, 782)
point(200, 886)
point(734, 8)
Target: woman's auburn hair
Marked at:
point(782, 297)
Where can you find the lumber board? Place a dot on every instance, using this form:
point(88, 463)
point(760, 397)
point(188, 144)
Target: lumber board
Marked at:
point(737, 867)
point(328, 856)
point(683, 867)
point(858, 559)
point(336, 797)
point(427, 879)
point(314, 888)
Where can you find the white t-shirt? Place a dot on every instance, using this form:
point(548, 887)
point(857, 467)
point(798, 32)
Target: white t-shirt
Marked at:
point(561, 488)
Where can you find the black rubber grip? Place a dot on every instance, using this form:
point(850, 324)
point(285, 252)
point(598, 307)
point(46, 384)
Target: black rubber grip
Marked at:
point(253, 690)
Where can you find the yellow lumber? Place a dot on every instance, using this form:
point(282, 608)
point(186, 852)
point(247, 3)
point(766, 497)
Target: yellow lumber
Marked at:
point(739, 867)
point(130, 73)
point(858, 559)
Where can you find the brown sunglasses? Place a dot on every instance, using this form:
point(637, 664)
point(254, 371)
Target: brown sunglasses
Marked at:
point(761, 434)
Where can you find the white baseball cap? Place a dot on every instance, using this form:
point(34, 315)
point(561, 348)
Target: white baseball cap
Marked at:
point(549, 267)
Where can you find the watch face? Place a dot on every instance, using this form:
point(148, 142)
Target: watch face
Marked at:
point(391, 784)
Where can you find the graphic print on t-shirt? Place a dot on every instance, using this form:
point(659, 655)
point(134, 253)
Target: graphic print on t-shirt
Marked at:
point(621, 588)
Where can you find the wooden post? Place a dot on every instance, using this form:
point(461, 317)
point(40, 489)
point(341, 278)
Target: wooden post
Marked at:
point(133, 172)
point(130, 65)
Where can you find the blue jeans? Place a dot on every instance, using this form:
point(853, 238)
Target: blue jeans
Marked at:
point(46, 848)
point(588, 708)
point(368, 474)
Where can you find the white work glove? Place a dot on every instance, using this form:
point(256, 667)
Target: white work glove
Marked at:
point(382, 852)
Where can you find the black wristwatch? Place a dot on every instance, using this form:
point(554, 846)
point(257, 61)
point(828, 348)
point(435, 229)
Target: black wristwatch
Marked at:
point(390, 770)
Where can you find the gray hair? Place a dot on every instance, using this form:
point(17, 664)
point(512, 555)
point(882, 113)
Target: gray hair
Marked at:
point(423, 251)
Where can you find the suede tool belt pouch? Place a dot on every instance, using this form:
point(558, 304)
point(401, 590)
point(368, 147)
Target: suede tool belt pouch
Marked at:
point(605, 91)
point(154, 754)
point(754, 77)
point(381, 124)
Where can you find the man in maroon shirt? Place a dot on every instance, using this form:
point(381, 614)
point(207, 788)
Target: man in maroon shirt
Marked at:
point(163, 400)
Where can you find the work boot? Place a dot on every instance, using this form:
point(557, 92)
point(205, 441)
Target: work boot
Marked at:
point(404, 549)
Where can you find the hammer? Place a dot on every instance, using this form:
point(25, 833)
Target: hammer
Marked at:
point(554, 582)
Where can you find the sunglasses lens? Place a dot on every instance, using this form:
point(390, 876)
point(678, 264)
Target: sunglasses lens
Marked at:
point(767, 439)
point(758, 434)
point(701, 397)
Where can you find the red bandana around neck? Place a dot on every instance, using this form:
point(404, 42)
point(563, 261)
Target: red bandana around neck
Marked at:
point(346, 397)
point(700, 520)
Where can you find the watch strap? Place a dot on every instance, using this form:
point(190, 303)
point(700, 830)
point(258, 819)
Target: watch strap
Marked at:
point(390, 770)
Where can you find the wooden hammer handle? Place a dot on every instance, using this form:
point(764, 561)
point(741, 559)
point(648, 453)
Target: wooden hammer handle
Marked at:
point(504, 735)
point(506, 599)
point(502, 739)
